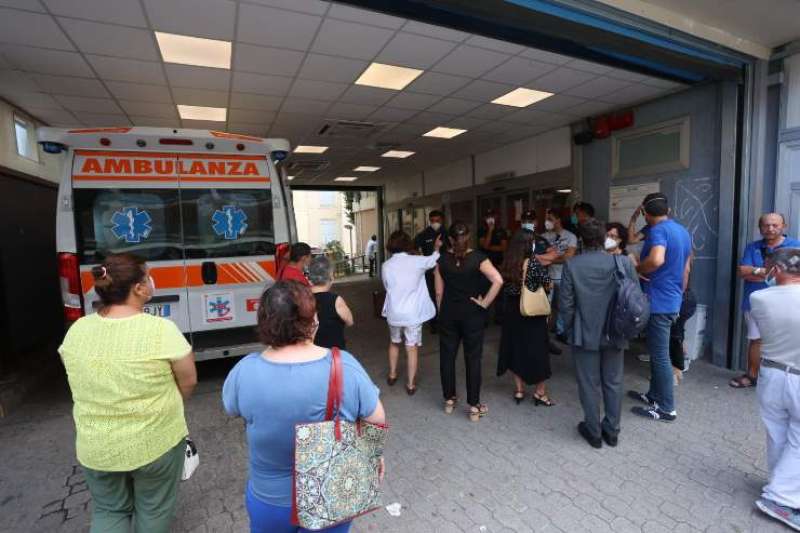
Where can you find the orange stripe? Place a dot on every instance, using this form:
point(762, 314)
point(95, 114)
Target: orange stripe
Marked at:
point(179, 155)
point(235, 271)
point(258, 179)
point(101, 130)
point(233, 157)
point(269, 267)
point(252, 278)
point(239, 136)
point(85, 177)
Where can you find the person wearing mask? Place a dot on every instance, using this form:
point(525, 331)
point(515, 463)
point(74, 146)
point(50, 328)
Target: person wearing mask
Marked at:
point(616, 242)
point(493, 241)
point(566, 244)
point(287, 384)
point(524, 339)
point(372, 254)
point(129, 373)
point(581, 212)
point(299, 259)
point(461, 276)
point(333, 314)
point(407, 305)
point(777, 323)
point(588, 290)
point(424, 243)
point(752, 270)
point(664, 270)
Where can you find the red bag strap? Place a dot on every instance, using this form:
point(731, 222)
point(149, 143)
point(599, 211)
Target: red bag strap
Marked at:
point(335, 386)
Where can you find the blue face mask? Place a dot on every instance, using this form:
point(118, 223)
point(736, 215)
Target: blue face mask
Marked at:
point(530, 226)
point(574, 219)
point(770, 280)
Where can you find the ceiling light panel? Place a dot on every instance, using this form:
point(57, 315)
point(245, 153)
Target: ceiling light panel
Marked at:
point(346, 178)
point(186, 50)
point(444, 133)
point(366, 168)
point(388, 76)
point(398, 154)
point(521, 97)
point(308, 149)
point(194, 112)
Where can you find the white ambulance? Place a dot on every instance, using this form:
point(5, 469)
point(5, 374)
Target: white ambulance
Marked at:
point(208, 210)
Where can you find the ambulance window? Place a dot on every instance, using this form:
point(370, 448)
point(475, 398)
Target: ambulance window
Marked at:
point(227, 222)
point(141, 221)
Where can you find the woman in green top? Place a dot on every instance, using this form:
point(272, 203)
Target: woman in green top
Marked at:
point(129, 373)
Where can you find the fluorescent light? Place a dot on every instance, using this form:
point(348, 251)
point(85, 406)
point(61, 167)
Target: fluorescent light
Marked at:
point(387, 76)
point(196, 112)
point(399, 154)
point(346, 178)
point(521, 97)
point(307, 149)
point(197, 51)
point(444, 133)
point(290, 178)
point(365, 168)
point(564, 191)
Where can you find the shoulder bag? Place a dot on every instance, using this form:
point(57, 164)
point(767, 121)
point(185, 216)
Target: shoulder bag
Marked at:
point(336, 464)
point(532, 302)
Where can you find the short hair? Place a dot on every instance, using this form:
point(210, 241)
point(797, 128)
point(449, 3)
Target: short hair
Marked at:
point(622, 231)
point(399, 242)
point(787, 259)
point(765, 215)
point(592, 233)
point(656, 204)
point(374, 237)
point(586, 207)
point(116, 276)
point(320, 271)
point(435, 213)
point(286, 314)
point(299, 251)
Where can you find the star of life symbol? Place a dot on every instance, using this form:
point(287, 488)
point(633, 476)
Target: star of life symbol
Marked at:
point(131, 224)
point(230, 222)
point(219, 306)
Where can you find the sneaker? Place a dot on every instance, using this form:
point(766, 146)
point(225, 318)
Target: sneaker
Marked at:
point(593, 441)
point(643, 357)
point(787, 515)
point(641, 397)
point(611, 440)
point(655, 413)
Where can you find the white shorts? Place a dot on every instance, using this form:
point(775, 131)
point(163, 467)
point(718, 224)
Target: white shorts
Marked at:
point(753, 333)
point(412, 334)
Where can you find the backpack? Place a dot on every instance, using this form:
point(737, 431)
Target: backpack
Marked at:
point(630, 308)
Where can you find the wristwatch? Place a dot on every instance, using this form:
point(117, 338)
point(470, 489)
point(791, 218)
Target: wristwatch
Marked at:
point(759, 271)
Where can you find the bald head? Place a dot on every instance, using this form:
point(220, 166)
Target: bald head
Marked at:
point(772, 226)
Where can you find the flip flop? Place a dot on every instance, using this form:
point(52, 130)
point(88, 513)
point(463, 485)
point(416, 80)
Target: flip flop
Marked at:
point(743, 382)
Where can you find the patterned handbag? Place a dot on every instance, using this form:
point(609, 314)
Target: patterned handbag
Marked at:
point(335, 464)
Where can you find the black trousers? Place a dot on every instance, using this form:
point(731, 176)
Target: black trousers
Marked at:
point(452, 332)
point(676, 336)
point(430, 281)
point(371, 267)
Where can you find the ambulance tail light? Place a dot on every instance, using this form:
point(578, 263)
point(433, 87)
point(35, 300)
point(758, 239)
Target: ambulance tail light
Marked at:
point(282, 251)
point(69, 275)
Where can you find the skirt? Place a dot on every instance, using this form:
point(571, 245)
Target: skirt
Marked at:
point(524, 344)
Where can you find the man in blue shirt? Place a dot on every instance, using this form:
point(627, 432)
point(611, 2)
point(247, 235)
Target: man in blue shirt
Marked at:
point(664, 269)
point(752, 271)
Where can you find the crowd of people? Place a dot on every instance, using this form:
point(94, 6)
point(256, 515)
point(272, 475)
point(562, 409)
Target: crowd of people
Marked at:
point(130, 372)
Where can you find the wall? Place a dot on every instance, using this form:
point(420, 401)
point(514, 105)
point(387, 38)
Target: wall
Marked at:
point(456, 175)
point(693, 193)
point(48, 167)
point(787, 188)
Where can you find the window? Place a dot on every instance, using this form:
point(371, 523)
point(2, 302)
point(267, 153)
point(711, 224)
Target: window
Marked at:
point(652, 149)
point(327, 199)
point(327, 230)
point(23, 131)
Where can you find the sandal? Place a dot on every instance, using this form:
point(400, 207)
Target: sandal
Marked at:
point(519, 396)
point(477, 411)
point(542, 400)
point(743, 382)
point(390, 380)
point(411, 389)
point(449, 406)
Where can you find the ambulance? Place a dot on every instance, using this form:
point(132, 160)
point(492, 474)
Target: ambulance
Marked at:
point(208, 210)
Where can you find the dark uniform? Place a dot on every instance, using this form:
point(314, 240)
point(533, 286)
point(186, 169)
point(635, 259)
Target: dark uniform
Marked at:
point(424, 242)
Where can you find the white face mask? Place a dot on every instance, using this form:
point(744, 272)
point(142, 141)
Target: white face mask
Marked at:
point(610, 244)
point(548, 225)
point(435, 226)
point(530, 226)
point(490, 221)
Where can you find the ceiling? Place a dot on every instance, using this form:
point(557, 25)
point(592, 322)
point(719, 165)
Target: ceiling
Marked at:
point(97, 63)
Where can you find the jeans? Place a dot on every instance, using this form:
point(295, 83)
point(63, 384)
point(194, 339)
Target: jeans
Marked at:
point(146, 496)
point(599, 374)
point(452, 332)
point(266, 518)
point(779, 399)
point(559, 322)
point(661, 377)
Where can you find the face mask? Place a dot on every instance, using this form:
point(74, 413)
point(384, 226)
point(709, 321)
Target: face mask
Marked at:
point(152, 283)
point(610, 244)
point(770, 279)
point(574, 219)
point(530, 226)
point(435, 226)
point(489, 221)
point(549, 225)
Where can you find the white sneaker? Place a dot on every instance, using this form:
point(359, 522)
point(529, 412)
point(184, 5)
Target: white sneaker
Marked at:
point(643, 357)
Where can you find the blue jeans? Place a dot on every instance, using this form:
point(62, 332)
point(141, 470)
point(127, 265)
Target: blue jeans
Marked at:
point(661, 378)
point(554, 293)
point(266, 518)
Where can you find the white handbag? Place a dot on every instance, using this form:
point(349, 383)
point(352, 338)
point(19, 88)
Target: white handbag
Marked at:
point(191, 460)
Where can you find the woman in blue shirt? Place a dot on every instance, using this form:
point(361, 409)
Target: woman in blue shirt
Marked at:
point(284, 385)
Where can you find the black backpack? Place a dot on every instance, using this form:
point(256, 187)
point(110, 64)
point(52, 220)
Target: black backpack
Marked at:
point(630, 308)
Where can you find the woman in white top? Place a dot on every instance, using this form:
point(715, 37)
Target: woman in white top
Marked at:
point(408, 305)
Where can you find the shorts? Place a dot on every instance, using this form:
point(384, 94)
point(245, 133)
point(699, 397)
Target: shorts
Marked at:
point(412, 334)
point(753, 333)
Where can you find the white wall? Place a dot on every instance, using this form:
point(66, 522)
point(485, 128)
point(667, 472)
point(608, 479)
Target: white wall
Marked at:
point(401, 188)
point(547, 151)
point(450, 177)
point(48, 167)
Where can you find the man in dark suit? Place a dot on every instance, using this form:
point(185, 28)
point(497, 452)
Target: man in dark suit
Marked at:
point(424, 242)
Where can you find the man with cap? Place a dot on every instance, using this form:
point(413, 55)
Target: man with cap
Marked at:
point(493, 241)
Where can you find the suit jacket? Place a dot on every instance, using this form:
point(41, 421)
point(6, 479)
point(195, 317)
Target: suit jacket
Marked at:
point(588, 287)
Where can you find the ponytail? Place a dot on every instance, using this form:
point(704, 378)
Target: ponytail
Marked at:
point(116, 276)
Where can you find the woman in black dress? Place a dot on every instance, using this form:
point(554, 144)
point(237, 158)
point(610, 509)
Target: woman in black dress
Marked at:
point(332, 311)
point(524, 343)
point(460, 279)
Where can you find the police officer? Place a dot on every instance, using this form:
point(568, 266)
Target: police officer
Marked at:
point(424, 242)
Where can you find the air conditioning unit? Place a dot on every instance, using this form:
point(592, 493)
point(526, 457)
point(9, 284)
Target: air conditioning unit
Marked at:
point(295, 166)
point(501, 176)
point(349, 128)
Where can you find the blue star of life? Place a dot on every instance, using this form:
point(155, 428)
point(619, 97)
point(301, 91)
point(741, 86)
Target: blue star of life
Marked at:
point(230, 222)
point(131, 224)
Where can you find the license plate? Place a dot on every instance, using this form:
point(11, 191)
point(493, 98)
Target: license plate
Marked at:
point(162, 310)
